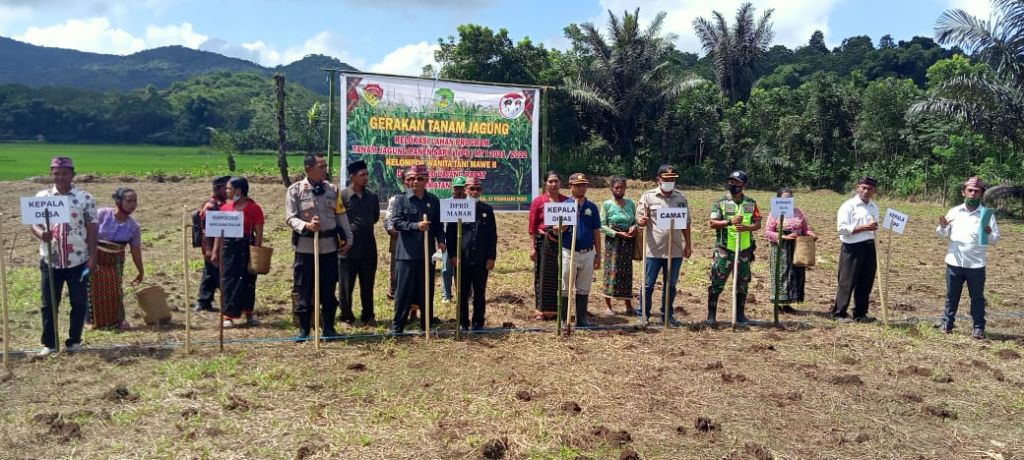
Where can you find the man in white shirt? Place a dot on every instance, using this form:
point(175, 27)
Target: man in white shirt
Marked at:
point(970, 228)
point(857, 221)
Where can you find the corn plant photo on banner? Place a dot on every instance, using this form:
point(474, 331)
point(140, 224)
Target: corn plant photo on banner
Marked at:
point(454, 128)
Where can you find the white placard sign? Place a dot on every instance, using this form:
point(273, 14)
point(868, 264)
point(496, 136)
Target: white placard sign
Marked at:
point(33, 210)
point(567, 211)
point(453, 210)
point(782, 206)
point(895, 221)
point(665, 217)
point(229, 224)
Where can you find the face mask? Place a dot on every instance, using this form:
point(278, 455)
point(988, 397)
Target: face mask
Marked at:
point(238, 196)
point(668, 186)
point(735, 189)
point(972, 202)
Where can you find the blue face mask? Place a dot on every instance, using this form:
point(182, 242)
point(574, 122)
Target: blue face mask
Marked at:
point(238, 196)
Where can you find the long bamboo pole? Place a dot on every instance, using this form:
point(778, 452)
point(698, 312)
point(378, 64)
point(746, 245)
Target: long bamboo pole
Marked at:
point(316, 291)
point(184, 260)
point(426, 313)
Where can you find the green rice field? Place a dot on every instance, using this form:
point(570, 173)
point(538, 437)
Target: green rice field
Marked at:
point(20, 160)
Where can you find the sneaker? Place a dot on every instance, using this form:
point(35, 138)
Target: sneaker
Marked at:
point(978, 334)
point(75, 348)
point(46, 351)
point(228, 324)
point(302, 336)
point(252, 321)
point(839, 316)
point(198, 308)
point(864, 319)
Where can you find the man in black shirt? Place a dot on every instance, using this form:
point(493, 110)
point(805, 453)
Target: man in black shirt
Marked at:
point(407, 219)
point(363, 209)
point(479, 249)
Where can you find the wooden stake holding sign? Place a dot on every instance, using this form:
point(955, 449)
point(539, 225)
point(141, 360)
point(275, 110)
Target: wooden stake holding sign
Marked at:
point(561, 214)
point(670, 219)
point(47, 211)
point(458, 211)
point(224, 224)
point(780, 208)
point(896, 223)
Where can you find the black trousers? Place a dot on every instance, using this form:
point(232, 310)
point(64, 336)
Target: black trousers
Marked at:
point(857, 266)
point(209, 284)
point(303, 287)
point(348, 270)
point(409, 291)
point(78, 291)
point(474, 280)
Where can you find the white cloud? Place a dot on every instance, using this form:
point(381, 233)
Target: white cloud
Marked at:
point(408, 60)
point(793, 20)
point(183, 35)
point(11, 14)
point(93, 34)
point(322, 43)
point(979, 8)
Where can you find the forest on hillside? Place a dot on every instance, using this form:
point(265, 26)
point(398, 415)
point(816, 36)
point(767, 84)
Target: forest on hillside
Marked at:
point(919, 114)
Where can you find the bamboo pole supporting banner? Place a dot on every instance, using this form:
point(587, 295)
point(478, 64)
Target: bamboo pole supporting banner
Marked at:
point(185, 227)
point(316, 291)
point(426, 313)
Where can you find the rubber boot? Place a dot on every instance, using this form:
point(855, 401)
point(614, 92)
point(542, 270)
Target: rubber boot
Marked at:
point(304, 327)
point(712, 311)
point(741, 305)
point(581, 310)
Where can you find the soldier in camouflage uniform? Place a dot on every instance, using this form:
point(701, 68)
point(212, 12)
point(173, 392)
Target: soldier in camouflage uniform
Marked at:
point(733, 215)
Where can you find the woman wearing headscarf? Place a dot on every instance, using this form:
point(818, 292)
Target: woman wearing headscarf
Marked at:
point(240, 284)
point(791, 287)
point(618, 223)
point(117, 232)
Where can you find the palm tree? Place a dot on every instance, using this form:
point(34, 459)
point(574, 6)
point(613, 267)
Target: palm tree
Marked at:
point(735, 50)
point(991, 102)
point(626, 79)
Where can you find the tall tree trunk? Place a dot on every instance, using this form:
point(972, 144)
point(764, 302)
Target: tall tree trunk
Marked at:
point(282, 159)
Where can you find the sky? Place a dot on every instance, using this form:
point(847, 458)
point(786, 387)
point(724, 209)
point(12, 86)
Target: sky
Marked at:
point(399, 36)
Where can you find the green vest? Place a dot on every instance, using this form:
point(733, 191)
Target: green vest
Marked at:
point(727, 209)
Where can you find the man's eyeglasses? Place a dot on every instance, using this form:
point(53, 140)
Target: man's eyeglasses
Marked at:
point(421, 179)
point(474, 189)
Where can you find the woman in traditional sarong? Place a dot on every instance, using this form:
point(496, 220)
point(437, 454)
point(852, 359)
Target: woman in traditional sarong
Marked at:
point(239, 283)
point(791, 288)
point(545, 250)
point(118, 231)
point(618, 223)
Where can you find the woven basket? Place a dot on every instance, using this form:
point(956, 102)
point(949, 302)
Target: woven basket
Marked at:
point(153, 302)
point(805, 253)
point(259, 259)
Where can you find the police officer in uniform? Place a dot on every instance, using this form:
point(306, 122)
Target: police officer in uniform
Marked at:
point(734, 218)
point(311, 205)
point(479, 249)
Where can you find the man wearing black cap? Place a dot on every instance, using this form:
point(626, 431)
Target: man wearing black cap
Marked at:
point(477, 255)
point(734, 218)
point(211, 274)
point(857, 221)
point(588, 247)
point(407, 219)
point(363, 211)
point(666, 195)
